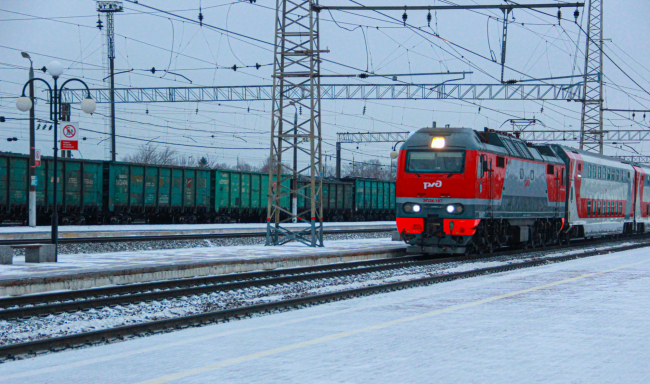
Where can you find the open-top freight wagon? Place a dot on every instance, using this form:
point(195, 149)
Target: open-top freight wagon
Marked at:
point(98, 192)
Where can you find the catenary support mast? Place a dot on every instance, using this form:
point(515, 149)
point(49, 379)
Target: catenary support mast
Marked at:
point(591, 127)
point(296, 65)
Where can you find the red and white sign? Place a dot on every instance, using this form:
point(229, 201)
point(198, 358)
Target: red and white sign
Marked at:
point(70, 135)
point(37, 158)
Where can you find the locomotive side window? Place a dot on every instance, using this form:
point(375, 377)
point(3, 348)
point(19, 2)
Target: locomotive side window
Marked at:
point(521, 173)
point(501, 163)
point(435, 162)
point(532, 175)
point(562, 176)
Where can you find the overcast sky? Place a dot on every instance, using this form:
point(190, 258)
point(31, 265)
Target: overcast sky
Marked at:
point(66, 30)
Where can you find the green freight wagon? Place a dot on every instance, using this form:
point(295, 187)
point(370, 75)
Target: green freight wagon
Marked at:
point(150, 193)
point(241, 197)
point(373, 199)
point(336, 199)
point(79, 190)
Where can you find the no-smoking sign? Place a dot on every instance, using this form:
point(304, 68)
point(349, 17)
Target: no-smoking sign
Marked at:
point(70, 134)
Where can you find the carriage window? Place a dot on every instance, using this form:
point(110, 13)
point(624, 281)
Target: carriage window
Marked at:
point(598, 208)
point(435, 162)
point(599, 172)
point(588, 207)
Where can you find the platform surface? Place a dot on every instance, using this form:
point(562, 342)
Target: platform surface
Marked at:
point(582, 321)
point(74, 231)
point(101, 269)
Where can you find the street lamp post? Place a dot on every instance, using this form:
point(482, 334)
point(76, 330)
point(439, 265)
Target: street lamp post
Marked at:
point(32, 148)
point(24, 104)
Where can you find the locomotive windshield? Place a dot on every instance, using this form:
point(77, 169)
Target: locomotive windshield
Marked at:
point(435, 162)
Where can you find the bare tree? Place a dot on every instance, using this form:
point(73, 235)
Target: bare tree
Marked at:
point(146, 154)
point(372, 169)
point(152, 154)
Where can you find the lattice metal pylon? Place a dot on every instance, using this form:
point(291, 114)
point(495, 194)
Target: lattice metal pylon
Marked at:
point(591, 128)
point(296, 65)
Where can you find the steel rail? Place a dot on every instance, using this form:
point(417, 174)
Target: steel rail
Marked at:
point(154, 327)
point(73, 240)
point(59, 302)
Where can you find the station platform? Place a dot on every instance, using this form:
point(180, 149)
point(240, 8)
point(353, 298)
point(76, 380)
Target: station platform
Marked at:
point(79, 271)
point(581, 321)
point(107, 231)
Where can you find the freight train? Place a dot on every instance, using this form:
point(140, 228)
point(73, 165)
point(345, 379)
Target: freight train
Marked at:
point(99, 192)
point(462, 191)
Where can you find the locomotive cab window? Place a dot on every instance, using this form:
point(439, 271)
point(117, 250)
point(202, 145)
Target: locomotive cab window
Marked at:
point(549, 169)
point(435, 161)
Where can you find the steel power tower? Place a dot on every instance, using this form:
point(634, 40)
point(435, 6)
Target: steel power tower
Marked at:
point(296, 65)
point(591, 128)
point(109, 8)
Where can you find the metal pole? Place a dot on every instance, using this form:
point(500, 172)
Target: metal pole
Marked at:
point(112, 69)
point(55, 215)
point(32, 152)
point(294, 193)
point(338, 159)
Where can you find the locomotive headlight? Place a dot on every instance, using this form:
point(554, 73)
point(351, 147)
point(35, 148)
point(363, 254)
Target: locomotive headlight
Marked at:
point(438, 142)
point(455, 209)
point(411, 208)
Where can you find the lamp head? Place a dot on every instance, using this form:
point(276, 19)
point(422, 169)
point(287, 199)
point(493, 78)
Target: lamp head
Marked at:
point(24, 103)
point(55, 69)
point(88, 105)
point(25, 55)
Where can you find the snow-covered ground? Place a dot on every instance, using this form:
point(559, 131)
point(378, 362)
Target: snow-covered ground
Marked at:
point(73, 264)
point(582, 321)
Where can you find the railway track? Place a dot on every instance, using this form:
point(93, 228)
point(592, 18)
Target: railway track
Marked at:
point(200, 236)
point(264, 278)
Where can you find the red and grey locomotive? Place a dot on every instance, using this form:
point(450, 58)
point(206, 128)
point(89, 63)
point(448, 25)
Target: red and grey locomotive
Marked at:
point(460, 191)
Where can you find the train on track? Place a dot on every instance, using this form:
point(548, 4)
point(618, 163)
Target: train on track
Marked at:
point(463, 191)
point(100, 192)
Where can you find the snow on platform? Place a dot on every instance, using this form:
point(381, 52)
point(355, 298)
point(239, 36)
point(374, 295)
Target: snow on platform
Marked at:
point(583, 321)
point(77, 271)
point(75, 231)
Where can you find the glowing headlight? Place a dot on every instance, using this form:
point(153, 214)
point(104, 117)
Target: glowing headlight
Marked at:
point(438, 142)
point(411, 208)
point(455, 209)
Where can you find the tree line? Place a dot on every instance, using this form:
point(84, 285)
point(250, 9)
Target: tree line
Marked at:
point(153, 154)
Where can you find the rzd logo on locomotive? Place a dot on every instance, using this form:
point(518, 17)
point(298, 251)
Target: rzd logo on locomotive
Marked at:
point(437, 184)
